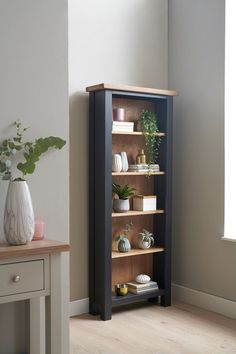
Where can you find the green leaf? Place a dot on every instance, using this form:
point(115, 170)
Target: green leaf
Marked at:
point(27, 167)
point(35, 150)
point(2, 167)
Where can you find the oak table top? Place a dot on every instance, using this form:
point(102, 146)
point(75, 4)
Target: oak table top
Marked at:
point(33, 248)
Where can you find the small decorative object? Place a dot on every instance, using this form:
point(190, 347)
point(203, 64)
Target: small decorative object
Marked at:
point(124, 245)
point(39, 230)
point(118, 114)
point(116, 163)
point(148, 123)
point(121, 289)
point(121, 205)
point(145, 239)
point(145, 202)
point(123, 242)
point(141, 158)
point(142, 278)
point(124, 159)
point(18, 214)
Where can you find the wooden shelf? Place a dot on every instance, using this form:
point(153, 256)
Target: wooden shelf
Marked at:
point(136, 213)
point(135, 133)
point(136, 252)
point(130, 298)
point(160, 173)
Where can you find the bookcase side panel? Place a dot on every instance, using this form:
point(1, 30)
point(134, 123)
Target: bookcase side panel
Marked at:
point(102, 202)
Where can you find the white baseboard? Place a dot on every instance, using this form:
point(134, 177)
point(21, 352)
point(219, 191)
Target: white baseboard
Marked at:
point(190, 296)
point(206, 301)
point(79, 307)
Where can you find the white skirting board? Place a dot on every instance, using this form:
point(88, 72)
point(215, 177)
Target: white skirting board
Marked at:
point(206, 301)
point(194, 297)
point(79, 307)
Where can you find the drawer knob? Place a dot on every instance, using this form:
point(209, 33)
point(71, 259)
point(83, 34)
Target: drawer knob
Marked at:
point(16, 279)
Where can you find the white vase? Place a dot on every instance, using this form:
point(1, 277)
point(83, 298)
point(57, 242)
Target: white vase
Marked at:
point(124, 159)
point(18, 214)
point(116, 163)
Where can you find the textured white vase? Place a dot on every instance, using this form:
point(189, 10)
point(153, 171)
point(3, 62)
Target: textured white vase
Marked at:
point(116, 163)
point(124, 160)
point(18, 214)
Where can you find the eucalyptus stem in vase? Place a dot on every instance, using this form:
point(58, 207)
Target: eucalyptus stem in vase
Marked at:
point(19, 220)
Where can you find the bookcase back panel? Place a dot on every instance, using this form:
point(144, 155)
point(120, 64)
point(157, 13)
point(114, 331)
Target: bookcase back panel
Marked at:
point(143, 185)
point(131, 144)
point(126, 269)
point(139, 223)
point(132, 107)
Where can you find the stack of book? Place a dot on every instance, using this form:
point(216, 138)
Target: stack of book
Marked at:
point(137, 288)
point(154, 168)
point(144, 168)
point(126, 127)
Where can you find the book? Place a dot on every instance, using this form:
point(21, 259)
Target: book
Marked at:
point(134, 284)
point(143, 290)
point(123, 126)
point(125, 129)
point(144, 168)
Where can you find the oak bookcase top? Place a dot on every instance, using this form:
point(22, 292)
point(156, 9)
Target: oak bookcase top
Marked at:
point(127, 88)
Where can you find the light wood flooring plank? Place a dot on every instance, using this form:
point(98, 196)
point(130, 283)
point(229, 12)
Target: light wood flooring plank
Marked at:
point(151, 329)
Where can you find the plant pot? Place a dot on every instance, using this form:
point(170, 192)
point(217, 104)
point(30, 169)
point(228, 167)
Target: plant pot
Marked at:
point(116, 163)
point(124, 245)
point(18, 214)
point(144, 244)
point(121, 205)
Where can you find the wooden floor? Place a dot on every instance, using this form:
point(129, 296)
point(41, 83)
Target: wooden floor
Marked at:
point(151, 329)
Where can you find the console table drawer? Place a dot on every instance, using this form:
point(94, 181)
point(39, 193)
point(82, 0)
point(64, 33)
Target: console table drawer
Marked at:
point(21, 277)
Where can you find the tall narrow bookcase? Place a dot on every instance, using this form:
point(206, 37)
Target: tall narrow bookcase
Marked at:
point(107, 266)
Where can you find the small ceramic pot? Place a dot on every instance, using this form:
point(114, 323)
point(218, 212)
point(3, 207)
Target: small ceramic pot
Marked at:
point(116, 163)
point(121, 205)
point(124, 159)
point(121, 289)
point(124, 245)
point(118, 114)
point(144, 244)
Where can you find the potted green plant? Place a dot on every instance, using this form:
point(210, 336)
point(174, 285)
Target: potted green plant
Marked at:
point(149, 128)
point(121, 205)
point(145, 239)
point(19, 220)
point(123, 241)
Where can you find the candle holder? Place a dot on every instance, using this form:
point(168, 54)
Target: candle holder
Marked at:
point(39, 230)
point(121, 289)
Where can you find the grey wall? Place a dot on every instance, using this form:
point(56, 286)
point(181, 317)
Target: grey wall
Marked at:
point(123, 41)
point(201, 260)
point(34, 88)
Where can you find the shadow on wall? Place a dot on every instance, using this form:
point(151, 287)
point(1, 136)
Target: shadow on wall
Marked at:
point(79, 173)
